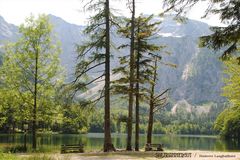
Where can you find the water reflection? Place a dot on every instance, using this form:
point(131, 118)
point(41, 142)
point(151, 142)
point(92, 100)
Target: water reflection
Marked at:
point(94, 141)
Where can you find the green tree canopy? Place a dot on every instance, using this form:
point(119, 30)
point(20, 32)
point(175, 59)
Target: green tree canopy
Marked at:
point(31, 72)
point(228, 122)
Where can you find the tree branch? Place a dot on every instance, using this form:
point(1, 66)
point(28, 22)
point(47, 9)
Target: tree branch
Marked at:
point(86, 84)
point(161, 93)
point(160, 107)
point(85, 71)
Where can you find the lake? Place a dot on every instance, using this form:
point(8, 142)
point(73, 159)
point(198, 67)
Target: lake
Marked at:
point(94, 141)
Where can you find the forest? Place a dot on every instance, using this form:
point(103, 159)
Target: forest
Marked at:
point(37, 97)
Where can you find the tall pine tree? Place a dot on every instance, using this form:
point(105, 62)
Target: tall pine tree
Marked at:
point(131, 78)
point(95, 54)
point(144, 33)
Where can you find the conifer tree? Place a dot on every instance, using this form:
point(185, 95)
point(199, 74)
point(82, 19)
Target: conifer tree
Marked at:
point(95, 54)
point(156, 102)
point(144, 32)
point(131, 78)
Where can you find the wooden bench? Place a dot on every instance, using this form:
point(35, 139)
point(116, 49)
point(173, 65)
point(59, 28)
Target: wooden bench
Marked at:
point(149, 147)
point(75, 148)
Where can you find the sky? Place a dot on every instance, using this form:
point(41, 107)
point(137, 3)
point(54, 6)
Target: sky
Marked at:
point(15, 11)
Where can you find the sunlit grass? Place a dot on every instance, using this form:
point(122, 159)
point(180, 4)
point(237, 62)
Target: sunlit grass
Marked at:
point(46, 157)
point(7, 156)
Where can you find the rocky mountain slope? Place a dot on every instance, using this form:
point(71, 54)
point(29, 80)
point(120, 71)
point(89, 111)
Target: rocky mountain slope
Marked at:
point(196, 80)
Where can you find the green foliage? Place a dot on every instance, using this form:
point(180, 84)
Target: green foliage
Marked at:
point(228, 122)
point(231, 90)
point(225, 36)
point(145, 31)
point(96, 122)
point(18, 74)
point(165, 122)
point(91, 54)
point(75, 119)
point(158, 128)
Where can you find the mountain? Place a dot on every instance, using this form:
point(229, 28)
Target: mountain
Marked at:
point(187, 108)
point(69, 35)
point(172, 28)
point(198, 76)
point(7, 31)
point(196, 80)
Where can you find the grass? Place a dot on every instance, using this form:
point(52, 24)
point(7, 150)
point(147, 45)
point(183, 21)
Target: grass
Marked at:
point(46, 157)
point(8, 156)
point(21, 149)
point(29, 156)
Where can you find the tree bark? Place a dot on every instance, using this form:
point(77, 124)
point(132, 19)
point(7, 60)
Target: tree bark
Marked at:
point(150, 123)
point(137, 95)
point(34, 144)
point(108, 146)
point(131, 84)
point(151, 105)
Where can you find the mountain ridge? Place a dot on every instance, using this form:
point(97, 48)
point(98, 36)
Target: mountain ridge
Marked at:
point(197, 79)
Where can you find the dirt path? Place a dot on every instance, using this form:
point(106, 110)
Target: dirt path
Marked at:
point(167, 155)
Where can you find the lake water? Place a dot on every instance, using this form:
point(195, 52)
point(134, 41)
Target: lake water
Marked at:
point(94, 141)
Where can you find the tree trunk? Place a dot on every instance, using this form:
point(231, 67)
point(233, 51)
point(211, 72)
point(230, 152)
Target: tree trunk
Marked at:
point(151, 105)
point(108, 146)
point(137, 96)
point(150, 123)
point(137, 116)
point(34, 144)
point(131, 84)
